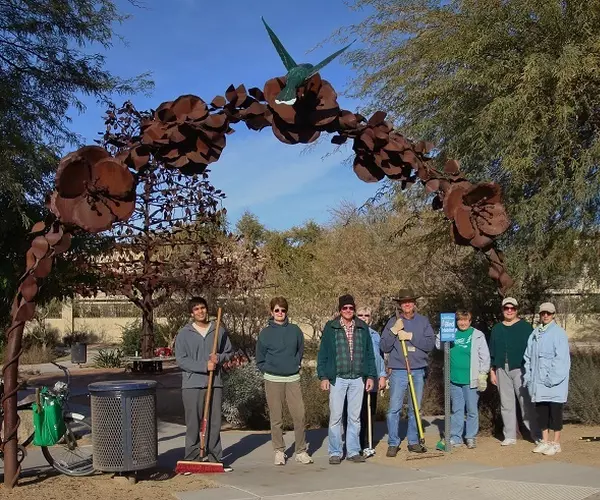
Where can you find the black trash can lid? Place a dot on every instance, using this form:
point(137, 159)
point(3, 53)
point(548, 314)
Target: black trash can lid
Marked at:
point(122, 385)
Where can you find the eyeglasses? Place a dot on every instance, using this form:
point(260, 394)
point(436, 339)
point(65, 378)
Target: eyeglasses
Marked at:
point(348, 308)
point(279, 310)
point(364, 315)
point(510, 308)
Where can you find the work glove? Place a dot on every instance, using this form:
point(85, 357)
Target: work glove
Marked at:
point(397, 327)
point(482, 382)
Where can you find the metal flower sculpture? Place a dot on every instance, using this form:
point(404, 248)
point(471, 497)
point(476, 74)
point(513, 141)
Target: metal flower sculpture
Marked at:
point(95, 190)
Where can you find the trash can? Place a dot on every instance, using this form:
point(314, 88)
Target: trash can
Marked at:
point(79, 353)
point(124, 429)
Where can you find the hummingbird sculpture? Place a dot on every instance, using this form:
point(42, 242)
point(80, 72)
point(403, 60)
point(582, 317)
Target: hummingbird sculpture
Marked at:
point(297, 74)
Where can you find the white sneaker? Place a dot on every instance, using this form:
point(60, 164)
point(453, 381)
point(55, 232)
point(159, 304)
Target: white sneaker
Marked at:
point(541, 447)
point(508, 442)
point(553, 449)
point(303, 458)
point(279, 458)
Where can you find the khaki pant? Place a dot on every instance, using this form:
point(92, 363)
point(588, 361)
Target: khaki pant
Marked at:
point(278, 393)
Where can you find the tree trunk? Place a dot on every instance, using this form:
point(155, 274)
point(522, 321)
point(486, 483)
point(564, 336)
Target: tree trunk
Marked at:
point(147, 328)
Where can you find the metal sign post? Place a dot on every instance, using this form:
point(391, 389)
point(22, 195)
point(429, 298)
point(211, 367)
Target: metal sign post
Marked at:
point(447, 335)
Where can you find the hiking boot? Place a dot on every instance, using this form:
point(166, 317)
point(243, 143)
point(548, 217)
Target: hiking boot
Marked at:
point(303, 458)
point(471, 443)
point(417, 448)
point(392, 451)
point(541, 447)
point(553, 449)
point(279, 458)
point(508, 442)
point(335, 460)
point(358, 459)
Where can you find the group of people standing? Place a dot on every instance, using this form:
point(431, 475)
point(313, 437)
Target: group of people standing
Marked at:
point(354, 363)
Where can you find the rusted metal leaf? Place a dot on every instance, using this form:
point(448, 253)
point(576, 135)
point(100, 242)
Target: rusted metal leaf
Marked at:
point(462, 219)
point(377, 118)
point(452, 167)
point(25, 312)
point(481, 241)
point(492, 219)
point(37, 227)
point(39, 247)
point(64, 244)
point(484, 192)
point(29, 288)
point(43, 267)
point(367, 173)
point(453, 200)
point(432, 185)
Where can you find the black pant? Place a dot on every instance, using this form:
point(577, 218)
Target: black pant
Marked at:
point(364, 419)
point(550, 415)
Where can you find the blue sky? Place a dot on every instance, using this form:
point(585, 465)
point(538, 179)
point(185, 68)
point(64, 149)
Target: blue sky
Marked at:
point(201, 47)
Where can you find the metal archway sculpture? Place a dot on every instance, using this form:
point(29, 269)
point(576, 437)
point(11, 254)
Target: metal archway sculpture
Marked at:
point(94, 190)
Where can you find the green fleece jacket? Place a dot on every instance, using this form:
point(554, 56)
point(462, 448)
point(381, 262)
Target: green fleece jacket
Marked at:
point(508, 344)
point(280, 348)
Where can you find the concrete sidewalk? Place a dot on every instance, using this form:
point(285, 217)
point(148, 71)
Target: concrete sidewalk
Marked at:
point(255, 477)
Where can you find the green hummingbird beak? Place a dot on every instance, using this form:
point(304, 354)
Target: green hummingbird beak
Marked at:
point(288, 60)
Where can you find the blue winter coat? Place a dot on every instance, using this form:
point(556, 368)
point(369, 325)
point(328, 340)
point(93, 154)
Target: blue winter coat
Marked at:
point(547, 364)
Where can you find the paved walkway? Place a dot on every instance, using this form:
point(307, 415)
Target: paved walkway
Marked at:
point(256, 478)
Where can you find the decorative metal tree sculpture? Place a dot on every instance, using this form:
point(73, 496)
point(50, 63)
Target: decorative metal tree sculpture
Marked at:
point(94, 190)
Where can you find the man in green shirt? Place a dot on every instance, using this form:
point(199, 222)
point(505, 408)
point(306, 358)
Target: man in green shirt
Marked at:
point(507, 347)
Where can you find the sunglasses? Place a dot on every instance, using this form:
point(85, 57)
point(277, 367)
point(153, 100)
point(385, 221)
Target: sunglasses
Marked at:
point(279, 310)
point(364, 315)
point(510, 308)
point(546, 313)
point(348, 308)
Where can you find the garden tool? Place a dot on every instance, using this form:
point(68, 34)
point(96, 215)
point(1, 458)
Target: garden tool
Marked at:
point(397, 328)
point(370, 451)
point(190, 467)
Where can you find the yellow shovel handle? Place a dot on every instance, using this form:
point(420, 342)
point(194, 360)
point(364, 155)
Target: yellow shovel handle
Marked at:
point(413, 394)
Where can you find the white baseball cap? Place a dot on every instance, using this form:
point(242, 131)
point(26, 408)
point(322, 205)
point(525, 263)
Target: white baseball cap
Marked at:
point(510, 300)
point(548, 307)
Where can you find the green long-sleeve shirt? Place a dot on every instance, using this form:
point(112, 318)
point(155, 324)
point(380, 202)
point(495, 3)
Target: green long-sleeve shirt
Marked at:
point(508, 344)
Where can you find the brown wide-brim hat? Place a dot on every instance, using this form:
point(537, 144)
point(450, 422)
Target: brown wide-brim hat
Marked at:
point(405, 294)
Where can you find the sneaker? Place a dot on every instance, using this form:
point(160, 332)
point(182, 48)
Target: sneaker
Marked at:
point(303, 458)
point(471, 443)
point(541, 447)
point(227, 468)
point(358, 459)
point(553, 449)
point(508, 442)
point(392, 451)
point(456, 444)
point(279, 458)
point(368, 452)
point(335, 460)
point(417, 448)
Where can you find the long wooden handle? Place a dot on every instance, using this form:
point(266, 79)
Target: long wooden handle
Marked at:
point(207, 399)
point(369, 423)
point(413, 393)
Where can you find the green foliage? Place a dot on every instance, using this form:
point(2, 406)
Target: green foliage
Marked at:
point(109, 358)
point(244, 401)
point(46, 66)
point(132, 337)
point(584, 387)
point(41, 336)
point(512, 89)
point(80, 337)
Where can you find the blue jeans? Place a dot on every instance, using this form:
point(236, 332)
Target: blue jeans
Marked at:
point(398, 387)
point(354, 390)
point(461, 396)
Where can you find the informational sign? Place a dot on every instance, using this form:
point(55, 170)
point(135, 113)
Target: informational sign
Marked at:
point(447, 327)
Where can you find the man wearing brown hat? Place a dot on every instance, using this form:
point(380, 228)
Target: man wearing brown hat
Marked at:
point(416, 330)
point(346, 368)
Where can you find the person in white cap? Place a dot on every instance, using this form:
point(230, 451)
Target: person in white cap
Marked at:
point(547, 365)
point(507, 347)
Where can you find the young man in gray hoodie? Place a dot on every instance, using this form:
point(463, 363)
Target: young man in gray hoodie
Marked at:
point(193, 352)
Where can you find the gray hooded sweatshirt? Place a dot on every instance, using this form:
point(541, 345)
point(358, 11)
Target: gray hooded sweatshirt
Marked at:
point(192, 351)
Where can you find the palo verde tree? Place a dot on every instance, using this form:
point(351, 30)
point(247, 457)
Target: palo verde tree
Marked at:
point(513, 90)
point(170, 243)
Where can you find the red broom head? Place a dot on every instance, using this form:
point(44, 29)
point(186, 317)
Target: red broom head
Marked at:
point(184, 467)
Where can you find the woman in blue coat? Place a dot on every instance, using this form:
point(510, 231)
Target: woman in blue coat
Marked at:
point(547, 364)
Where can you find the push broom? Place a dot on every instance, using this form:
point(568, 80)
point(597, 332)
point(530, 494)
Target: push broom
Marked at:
point(204, 467)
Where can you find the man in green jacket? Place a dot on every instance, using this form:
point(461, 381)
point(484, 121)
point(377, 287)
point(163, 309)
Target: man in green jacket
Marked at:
point(346, 368)
point(507, 347)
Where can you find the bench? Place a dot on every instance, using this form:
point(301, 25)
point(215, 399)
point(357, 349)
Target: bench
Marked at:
point(139, 364)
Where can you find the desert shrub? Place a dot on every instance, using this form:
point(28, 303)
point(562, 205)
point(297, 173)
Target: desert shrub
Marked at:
point(81, 337)
point(108, 358)
point(36, 354)
point(584, 387)
point(41, 336)
point(132, 337)
point(244, 401)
